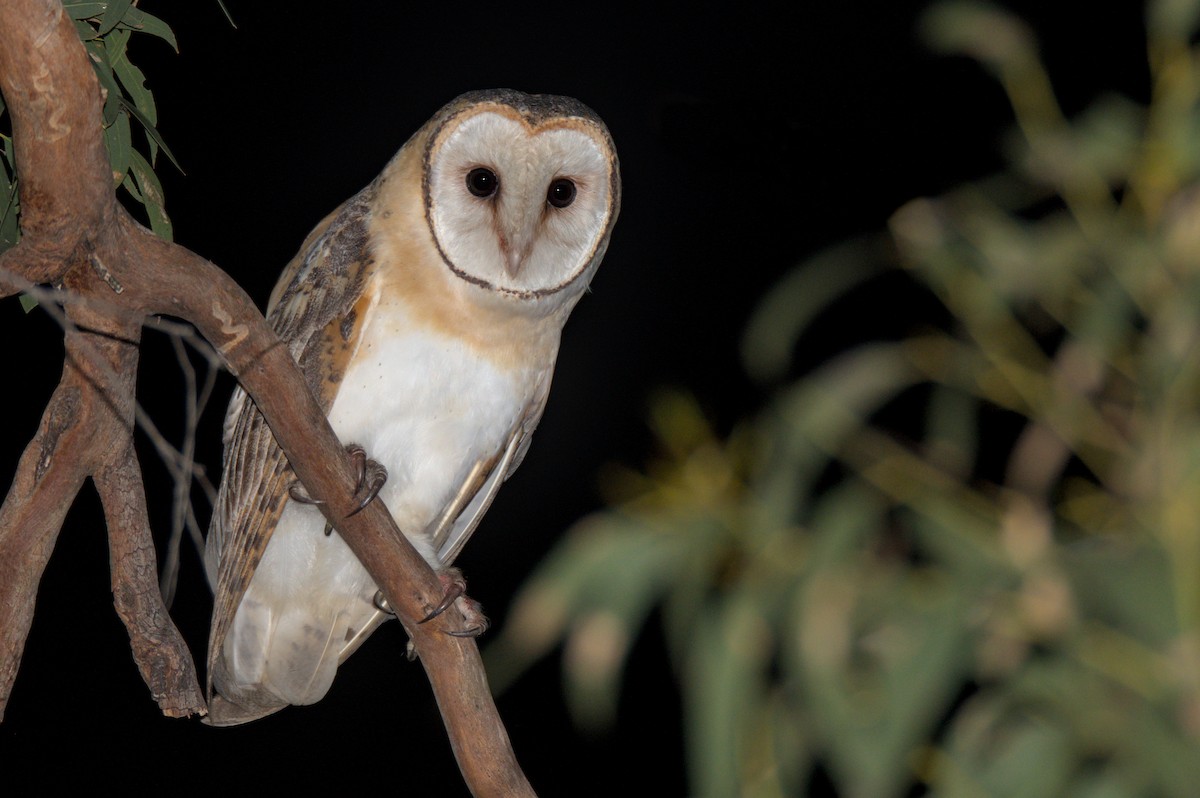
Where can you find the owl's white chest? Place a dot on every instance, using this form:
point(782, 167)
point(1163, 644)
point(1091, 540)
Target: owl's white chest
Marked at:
point(427, 407)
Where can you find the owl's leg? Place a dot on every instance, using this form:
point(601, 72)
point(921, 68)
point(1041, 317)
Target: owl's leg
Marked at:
point(371, 478)
point(455, 587)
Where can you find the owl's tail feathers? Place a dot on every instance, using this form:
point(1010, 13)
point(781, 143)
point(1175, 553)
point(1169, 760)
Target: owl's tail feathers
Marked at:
point(223, 712)
point(272, 659)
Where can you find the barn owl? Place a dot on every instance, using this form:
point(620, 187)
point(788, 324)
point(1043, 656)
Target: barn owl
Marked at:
point(426, 314)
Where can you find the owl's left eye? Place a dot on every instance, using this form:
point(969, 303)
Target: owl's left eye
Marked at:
point(482, 182)
point(561, 193)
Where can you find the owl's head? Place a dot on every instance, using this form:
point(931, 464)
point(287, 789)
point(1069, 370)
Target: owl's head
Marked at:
point(521, 191)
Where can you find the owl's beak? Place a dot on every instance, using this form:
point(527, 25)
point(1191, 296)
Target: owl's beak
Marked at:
point(515, 250)
point(518, 229)
point(513, 258)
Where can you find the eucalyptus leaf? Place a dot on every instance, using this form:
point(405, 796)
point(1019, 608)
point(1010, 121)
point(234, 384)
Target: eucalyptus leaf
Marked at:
point(724, 692)
point(85, 31)
point(143, 22)
point(130, 186)
point(117, 140)
point(103, 70)
point(984, 31)
point(134, 82)
point(576, 580)
point(9, 229)
point(798, 299)
point(1017, 756)
point(84, 9)
point(838, 399)
point(153, 134)
point(113, 14)
point(151, 195)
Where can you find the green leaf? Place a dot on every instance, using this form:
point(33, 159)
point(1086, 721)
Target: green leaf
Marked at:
point(143, 22)
point(613, 605)
point(151, 194)
point(980, 30)
point(131, 187)
point(28, 303)
point(10, 230)
point(606, 563)
point(1172, 19)
point(1126, 585)
point(84, 9)
point(113, 14)
point(725, 693)
point(85, 31)
point(131, 77)
point(799, 298)
point(898, 654)
point(152, 132)
point(120, 147)
point(993, 752)
point(837, 400)
point(952, 421)
point(100, 63)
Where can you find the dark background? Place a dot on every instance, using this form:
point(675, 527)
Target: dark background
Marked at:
point(749, 139)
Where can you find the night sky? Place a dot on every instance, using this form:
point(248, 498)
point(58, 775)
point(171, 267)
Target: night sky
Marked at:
point(748, 139)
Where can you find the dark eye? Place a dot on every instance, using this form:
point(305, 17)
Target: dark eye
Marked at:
point(482, 182)
point(561, 193)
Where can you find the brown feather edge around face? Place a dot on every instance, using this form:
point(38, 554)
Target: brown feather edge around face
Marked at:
point(532, 110)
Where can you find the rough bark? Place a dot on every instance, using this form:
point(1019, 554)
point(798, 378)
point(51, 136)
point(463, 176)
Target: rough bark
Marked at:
point(114, 274)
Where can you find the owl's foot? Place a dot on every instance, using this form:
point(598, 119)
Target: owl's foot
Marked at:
point(455, 587)
point(371, 478)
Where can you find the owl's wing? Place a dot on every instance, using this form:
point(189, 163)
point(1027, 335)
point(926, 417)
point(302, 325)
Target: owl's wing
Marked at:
point(458, 520)
point(314, 310)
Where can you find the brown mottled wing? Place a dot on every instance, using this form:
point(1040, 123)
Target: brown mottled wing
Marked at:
point(312, 309)
point(458, 521)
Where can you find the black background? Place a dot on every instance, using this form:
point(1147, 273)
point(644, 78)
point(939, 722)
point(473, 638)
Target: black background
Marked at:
point(749, 138)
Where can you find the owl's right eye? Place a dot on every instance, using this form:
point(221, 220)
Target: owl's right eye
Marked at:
point(482, 182)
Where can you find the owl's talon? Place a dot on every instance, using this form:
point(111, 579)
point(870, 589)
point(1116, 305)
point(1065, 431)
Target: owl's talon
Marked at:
point(371, 477)
point(296, 492)
point(381, 603)
point(456, 594)
point(472, 631)
point(454, 589)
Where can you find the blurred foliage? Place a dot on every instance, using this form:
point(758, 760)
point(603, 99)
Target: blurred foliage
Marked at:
point(105, 28)
point(967, 560)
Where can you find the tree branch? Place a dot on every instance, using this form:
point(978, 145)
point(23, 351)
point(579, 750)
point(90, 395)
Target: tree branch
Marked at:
point(71, 222)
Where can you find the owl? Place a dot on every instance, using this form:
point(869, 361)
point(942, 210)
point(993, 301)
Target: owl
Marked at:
point(425, 314)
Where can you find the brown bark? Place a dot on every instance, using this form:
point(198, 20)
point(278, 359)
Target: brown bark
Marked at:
point(116, 273)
